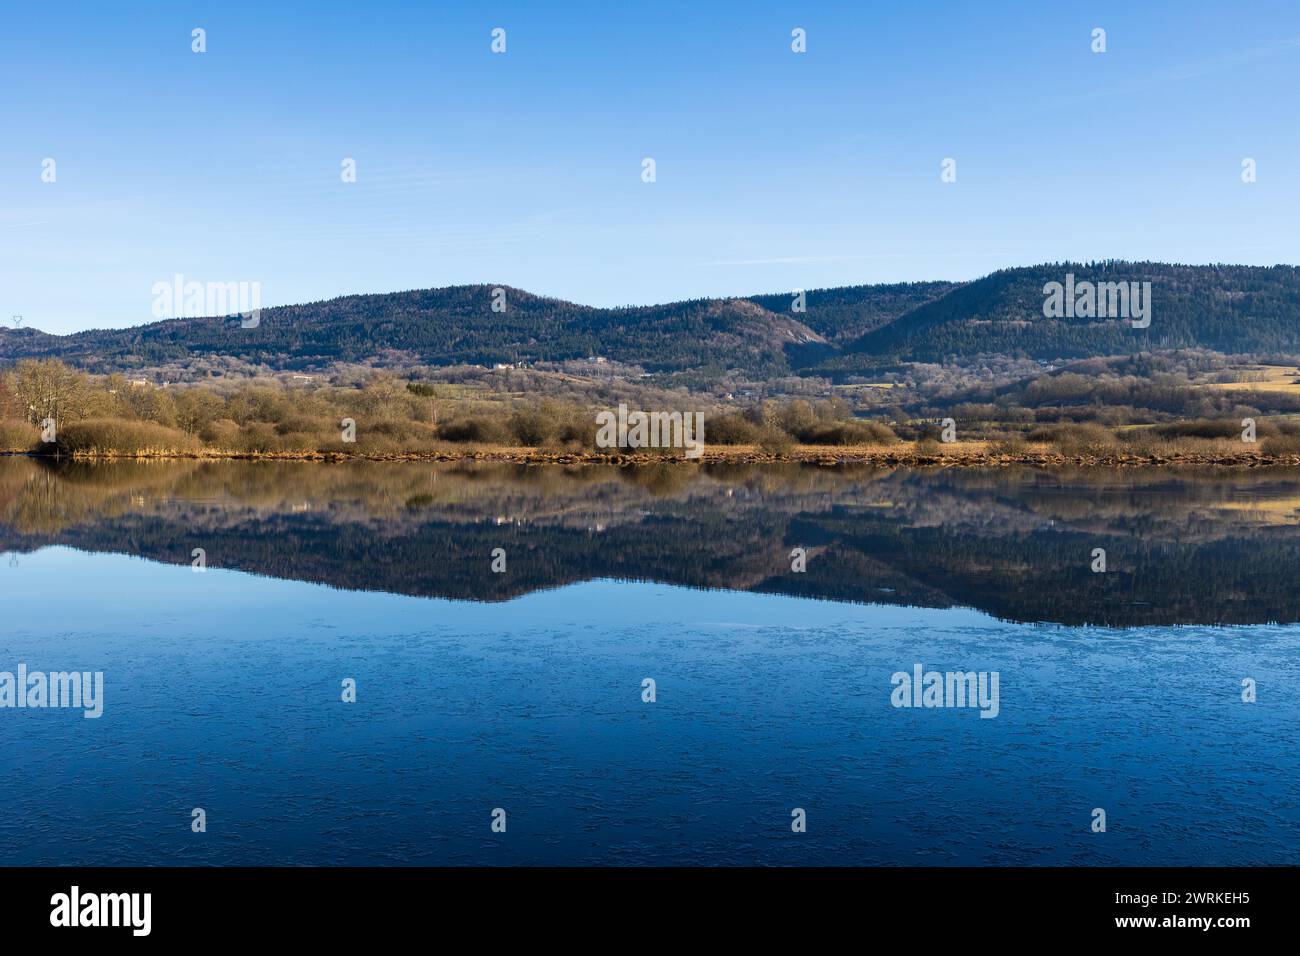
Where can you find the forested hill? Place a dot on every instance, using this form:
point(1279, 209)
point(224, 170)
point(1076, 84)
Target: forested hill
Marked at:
point(457, 325)
point(1234, 309)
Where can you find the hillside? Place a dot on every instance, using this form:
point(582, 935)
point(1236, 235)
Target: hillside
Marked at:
point(1230, 309)
point(448, 326)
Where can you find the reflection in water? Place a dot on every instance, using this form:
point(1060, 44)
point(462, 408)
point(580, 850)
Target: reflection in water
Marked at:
point(1181, 548)
point(222, 690)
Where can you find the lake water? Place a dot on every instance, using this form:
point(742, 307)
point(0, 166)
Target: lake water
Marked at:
point(523, 689)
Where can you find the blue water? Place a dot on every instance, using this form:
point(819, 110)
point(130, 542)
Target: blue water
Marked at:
point(222, 691)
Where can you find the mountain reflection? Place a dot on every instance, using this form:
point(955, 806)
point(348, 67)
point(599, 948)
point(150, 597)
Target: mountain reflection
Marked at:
point(1208, 548)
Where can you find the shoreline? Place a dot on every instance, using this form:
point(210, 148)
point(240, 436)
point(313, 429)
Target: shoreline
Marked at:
point(967, 455)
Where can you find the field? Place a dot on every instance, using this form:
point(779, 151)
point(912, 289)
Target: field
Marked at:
point(1262, 378)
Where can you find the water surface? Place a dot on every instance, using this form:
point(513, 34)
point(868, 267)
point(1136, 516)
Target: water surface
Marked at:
point(523, 690)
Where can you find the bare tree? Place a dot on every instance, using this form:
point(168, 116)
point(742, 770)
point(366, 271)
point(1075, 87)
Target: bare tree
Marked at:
point(47, 388)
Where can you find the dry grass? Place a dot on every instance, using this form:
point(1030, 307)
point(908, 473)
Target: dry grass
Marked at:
point(117, 436)
point(1262, 378)
point(18, 437)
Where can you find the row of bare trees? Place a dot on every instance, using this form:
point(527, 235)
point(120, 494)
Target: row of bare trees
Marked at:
point(39, 389)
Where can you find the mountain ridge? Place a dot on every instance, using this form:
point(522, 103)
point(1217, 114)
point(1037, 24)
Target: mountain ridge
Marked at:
point(843, 331)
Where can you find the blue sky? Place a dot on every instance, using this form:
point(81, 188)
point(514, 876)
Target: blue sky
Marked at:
point(775, 170)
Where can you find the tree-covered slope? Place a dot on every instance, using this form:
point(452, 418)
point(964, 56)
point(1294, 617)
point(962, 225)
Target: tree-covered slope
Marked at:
point(1233, 309)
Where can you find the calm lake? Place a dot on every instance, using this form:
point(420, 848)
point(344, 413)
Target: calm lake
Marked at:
point(229, 605)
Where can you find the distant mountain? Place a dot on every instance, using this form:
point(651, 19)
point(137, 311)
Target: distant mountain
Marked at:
point(445, 327)
point(840, 315)
point(1233, 309)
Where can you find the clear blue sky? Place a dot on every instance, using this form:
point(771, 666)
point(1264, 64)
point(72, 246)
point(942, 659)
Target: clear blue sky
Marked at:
point(775, 170)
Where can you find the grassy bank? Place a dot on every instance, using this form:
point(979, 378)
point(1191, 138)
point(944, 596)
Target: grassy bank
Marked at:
point(47, 408)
